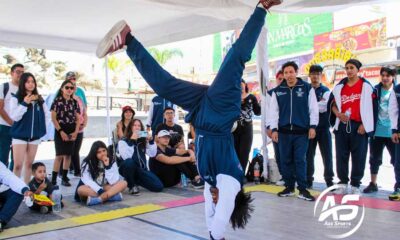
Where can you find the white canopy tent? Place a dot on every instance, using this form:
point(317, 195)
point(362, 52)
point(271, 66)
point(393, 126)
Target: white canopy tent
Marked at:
point(78, 25)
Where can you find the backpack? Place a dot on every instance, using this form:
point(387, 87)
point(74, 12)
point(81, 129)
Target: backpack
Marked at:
point(6, 87)
point(250, 173)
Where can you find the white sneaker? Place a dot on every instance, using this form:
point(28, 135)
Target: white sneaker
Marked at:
point(355, 190)
point(341, 190)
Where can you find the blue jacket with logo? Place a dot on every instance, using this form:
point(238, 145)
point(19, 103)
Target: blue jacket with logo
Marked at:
point(293, 109)
point(29, 120)
point(156, 112)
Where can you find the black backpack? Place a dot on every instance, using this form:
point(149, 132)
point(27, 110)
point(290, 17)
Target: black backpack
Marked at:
point(6, 87)
point(250, 173)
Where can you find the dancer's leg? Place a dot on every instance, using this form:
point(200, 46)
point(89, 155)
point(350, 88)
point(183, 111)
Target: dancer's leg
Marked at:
point(182, 93)
point(225, 91)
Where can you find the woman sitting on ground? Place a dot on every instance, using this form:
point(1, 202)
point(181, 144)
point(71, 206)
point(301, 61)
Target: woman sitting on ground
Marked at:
point(100, 181)
point(133, 149)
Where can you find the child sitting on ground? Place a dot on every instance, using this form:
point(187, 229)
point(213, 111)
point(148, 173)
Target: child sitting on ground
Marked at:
point(41, 185)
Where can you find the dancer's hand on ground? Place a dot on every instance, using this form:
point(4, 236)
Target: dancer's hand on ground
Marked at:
point(311, 133)
point(274, 137)
point(361, 130)
point(64, 136)
point(395, 137)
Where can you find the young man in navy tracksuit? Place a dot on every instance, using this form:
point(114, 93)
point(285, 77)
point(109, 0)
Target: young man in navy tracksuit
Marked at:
point(323, 135)
point(294, 117)
point(353, 120)
point(156, 113)
point(212, 111)
point(383, 131)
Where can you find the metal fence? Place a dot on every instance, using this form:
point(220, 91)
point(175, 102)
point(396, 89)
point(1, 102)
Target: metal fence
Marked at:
point(99, 102)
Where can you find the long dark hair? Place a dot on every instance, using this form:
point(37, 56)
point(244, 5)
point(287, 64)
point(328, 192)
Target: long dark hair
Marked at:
point(21, 93)
point(91, 161)
point(141, 142)
point(243, 208)
point(59, 92)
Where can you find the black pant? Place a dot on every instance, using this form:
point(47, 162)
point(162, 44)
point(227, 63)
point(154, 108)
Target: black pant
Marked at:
point(170, 175)
point(376, 146)
point(324, 139)
point(354, 144)
point(75, 158)
point(243, 136)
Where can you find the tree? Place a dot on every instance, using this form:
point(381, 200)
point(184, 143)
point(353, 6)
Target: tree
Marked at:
point(116, 66)
point(163, 56)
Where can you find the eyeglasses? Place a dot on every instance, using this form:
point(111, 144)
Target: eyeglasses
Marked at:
point(72, 78)
point(19, 71)
point(69, 88)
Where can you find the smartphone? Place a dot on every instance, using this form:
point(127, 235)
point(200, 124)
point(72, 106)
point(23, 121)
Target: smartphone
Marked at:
point(142, 134)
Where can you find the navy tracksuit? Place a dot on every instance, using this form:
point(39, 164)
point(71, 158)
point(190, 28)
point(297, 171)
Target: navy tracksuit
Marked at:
point(378, 143)
point(323, 138)
point(294, 123)
point(159, 105)
point(212, 109)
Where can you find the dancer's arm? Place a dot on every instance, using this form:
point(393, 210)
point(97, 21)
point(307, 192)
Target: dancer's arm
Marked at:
point(228, 187)
point(209, 206)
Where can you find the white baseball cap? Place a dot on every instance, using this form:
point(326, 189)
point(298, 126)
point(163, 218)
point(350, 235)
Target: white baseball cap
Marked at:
point(163, 133)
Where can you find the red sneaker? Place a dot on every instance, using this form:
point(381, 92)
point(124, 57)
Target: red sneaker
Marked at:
point(267, 4)
point(114, 39)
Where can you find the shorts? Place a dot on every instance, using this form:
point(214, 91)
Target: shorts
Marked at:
point(23, 142)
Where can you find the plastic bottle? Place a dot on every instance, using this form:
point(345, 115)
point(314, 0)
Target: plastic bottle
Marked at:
point(183, 180)
point(56, 197)
point(28, 201)
point(257, 173)
point(255, 152)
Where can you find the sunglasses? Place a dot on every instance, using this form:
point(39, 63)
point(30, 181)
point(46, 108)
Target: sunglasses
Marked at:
point(72, 78)
point(69, 88)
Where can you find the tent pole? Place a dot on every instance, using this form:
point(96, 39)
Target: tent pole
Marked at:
point(107, 102)
point(262, 73)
